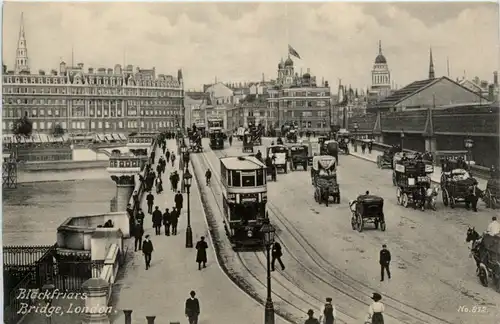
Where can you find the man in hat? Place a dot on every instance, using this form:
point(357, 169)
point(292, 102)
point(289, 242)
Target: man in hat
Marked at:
point(376, 310)
point(147, 250)
point(311, 319)
point(385, 260)
point(192, 308)
point(328, 312)
point(201, 253)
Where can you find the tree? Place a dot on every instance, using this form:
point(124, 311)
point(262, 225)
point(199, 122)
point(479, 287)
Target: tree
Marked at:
point(58, 130)
point(22, 127)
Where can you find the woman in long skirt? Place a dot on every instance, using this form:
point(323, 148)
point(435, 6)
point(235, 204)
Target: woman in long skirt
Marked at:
point(376, 310)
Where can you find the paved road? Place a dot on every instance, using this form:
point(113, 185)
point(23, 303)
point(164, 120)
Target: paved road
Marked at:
point(432, 272)
point(162, 290)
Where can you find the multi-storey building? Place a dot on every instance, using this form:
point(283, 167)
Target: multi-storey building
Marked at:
point(196, 103)
point(299, 100)
point(93, 100)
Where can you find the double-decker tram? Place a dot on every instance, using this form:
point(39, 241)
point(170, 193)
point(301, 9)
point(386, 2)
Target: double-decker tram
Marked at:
point(244, 199)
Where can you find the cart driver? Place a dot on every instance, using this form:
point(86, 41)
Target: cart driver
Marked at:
point(259, 155)
point(352, 203)
point(493, 227)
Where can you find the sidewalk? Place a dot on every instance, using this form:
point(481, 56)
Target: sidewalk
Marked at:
point(162, 290)
point(372, 157)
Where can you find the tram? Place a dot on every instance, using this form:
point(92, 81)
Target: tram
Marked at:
point(244, 199)
point(217, 138)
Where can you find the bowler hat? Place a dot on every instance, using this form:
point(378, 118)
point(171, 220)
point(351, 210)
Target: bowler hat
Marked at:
point(376, 297)
point(310, 312)
point(328, 299)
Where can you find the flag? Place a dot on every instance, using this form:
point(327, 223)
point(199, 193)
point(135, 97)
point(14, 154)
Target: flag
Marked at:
point(293, 52)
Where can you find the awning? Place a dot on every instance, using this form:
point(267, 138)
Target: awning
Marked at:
point(36, 138)
point(100, 137)
point(108, 137)
point(122, 136)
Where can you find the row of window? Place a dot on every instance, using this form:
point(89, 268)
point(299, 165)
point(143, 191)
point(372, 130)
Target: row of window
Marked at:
point(291, 93)
point(53, 79)
point(245, 179)
point(380, 79)
point(81, 125)
point(90, 91)
point(50, 157)
point(80, 112)
point(304, 114)
point(43, 101)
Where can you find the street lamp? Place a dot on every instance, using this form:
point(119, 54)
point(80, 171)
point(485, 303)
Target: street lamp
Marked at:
point(469, 144)
point(268, 232)
point(189, 233)
point(402, 134)
point(48, 298)
point(355, 126)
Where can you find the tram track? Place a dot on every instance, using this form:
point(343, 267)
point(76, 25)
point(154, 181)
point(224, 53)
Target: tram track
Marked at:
point(406, 313)
point(247, 258)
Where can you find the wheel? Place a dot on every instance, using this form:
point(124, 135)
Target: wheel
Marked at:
point(382, 226)
point(376, 224)
point(404, 200)
point(286, 168)
point(491, 201)
point(398, 195)
point(359, 223)
point(452, 202)
point(483, 276)
point(394, 178)
point(353, 222)
point(444, 195)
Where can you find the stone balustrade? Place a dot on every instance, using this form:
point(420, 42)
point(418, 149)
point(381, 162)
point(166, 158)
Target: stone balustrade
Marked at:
point(126, 161)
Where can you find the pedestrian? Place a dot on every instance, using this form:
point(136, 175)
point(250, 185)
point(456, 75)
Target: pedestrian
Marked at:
point(201, 252)
point(150, 200)
point(157, 220)
point(140, 217)
point(208, 176)
point(147, 250)
point(192, 309)
point(159, 186)
point(328, 312)
point(174, 220)
point(311, 319)
point(178, 201)
point(166, 221)
point(363, 147)
point(370, 146)
point(167, 156)
point(277, 253)
point(172, 158)
point(130, 213)
point(175, 181)
point(376, 310)
point(385, 260)
point(138, 232)
point(135, 198)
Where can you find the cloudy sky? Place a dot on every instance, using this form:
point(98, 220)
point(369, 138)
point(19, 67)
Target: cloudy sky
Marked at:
point(238, 42)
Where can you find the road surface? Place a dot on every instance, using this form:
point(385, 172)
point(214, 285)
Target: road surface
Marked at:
point(433, 280)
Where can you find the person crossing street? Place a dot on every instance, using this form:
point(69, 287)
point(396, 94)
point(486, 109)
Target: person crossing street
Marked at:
point(157, 220)
point(150, 200)
point(385, 260)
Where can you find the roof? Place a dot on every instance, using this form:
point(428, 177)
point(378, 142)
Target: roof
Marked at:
point(380, 59)
point(242, 163)
point(404, 92)
point(197, 95)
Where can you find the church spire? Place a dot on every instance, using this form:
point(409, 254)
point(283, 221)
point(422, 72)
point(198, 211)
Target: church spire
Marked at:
point(380, 47)
point(431, 65)
point(22, 64)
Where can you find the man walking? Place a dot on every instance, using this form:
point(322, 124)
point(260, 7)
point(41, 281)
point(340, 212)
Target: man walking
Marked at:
point(201, 252)
point(147, 250)
point(192, 309)
point(277, 253)
point(174, 220)
point(157, 219)
point(150, 200)
point(166, 221)
point(311, 319)
point(385, 260)
point(138, 233)
point(140, 217)
point(178, 201)
point(328, 313)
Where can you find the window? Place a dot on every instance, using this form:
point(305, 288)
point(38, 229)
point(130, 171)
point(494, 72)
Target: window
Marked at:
point(248, 179)
point(261, 177)
point(235, 175)
point(42, 125)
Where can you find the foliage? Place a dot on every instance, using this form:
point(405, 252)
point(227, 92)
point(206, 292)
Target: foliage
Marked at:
point(22, 127)
point(58, 130)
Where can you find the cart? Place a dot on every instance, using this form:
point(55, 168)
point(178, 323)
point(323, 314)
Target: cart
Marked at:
point(369, 209)
point(324, 179)
point(247, 143)
point(298, 156)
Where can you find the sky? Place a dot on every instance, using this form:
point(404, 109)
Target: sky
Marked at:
point(236, 42)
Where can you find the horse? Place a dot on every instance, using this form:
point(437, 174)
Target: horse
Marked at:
point(478, 254)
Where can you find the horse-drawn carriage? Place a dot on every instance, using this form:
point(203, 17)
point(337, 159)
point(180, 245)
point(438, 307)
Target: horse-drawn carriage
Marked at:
point(330, 147)
point(491, 194)
point(247, 143)
point(279, 155)
point(324, 179)
point(298, 156)
point(486, 252)
point(385, 161)
point(456, 182)
point(411, 176)
point(367, 209)
point(343, 138)
point(195, 142)
point(291, 136)
point(313, 150)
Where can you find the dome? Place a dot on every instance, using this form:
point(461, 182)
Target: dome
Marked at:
point(306, 76)
point(280, 65)
point(380, 59)
point(288, 62)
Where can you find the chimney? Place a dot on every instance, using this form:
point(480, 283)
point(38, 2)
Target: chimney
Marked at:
point(91, 70)
point(80, 66)
point(62, 67)
point(495, 78)
point(128, 316)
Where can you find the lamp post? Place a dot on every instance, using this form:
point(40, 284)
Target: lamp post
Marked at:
point(402, 135)
point(189, 233)
point(268, 232)
point(469, 144)
point(355, 126)
point(48, 295)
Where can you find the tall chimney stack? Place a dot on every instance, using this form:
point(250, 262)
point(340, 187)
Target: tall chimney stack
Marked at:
point(495, 78)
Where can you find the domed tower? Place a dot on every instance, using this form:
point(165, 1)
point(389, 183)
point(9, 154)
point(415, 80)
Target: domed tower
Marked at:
point(289, 71)
point(381, 76)
point(281, 72)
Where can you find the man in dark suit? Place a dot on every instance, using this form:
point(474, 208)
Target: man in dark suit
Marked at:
point(192, 308)
point(157, 220)
point(151, 200)
point(178, 201)
point(147, 250)
point(138, 233)
point(385, 260)
point(277, 253)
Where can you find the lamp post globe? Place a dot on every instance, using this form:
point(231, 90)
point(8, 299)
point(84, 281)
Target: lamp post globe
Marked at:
point(402, 135)
point(469, 144)
point(355, 126)
point(187, 184)
point(268, 235)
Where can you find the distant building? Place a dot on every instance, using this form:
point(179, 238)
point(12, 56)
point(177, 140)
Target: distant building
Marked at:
point(104, 100)
point(299, 100)
point(196, 103)
point(381, 76)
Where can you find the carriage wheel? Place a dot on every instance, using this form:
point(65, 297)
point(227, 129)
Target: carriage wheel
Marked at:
point(442, 181)
point(316, 195)
point(286, 168)
point(394, 178)
point(398, 195)
point(404, 200)
point(379, 163)
point(382, 226)
point(353, 222)
point(376, 224)
point(359, 223)
point(445, 197)
point(483, 276)
point(452, 202)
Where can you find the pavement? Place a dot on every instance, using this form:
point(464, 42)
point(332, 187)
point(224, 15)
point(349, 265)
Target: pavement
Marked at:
point(433, 278)
point(162, 290)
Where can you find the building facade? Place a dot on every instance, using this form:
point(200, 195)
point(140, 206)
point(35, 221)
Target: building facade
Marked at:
point(196, 103)
point(118, 99)
point(299, 100)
